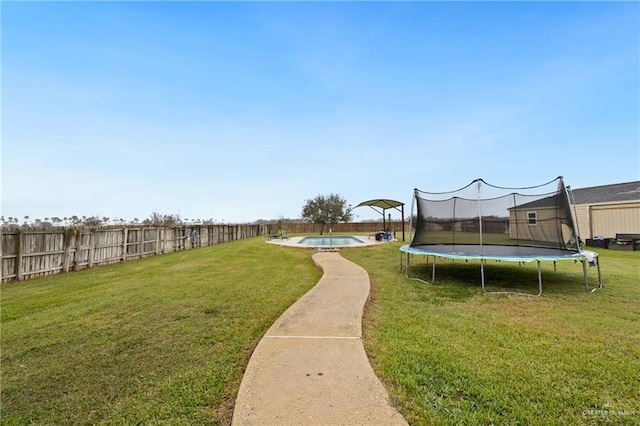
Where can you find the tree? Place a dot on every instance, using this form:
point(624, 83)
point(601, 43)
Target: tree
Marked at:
point(92, 222)
point(327, 209)
point(166, 220)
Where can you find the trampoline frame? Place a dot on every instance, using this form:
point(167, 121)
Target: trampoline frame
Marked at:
point(578, 256)
point(536, 253)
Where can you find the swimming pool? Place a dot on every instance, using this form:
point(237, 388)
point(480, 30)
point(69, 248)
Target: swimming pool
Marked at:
point(334, 240)
point(323, 242)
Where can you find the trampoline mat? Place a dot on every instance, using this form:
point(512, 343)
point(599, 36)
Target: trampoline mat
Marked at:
point(497, 252)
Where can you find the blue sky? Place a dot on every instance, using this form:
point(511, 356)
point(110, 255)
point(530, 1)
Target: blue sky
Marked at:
point(239, 111)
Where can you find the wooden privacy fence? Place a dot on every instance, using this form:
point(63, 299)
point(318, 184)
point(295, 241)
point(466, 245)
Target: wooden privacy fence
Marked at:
point(305, 227)
point(29, 253)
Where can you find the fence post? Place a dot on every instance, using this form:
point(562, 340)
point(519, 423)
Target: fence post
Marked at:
point(19, 246)
point(78, 255)
point(175, 238)
point(141, 243)
point(1, 251)
point(92, 241)
point(125, 235)
point(67, 249)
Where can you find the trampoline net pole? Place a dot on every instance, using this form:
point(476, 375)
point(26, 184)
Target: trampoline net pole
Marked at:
point(480, 214)
point(573, 214)
point(413, 203)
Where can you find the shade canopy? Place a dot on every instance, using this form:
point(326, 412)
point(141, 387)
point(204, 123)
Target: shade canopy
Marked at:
point(385, 204)
point(382, 203)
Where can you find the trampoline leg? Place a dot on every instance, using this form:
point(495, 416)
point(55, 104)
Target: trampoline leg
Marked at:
point(586, 279)
point(539, 279)
point(433, 271)
point(406, 270)
point(599, 276)
point(513, 292)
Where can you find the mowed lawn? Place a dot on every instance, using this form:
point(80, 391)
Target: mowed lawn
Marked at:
point(164, 340)
point(450, 354)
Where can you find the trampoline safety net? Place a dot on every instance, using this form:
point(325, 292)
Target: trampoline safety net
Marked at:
point(485, 219)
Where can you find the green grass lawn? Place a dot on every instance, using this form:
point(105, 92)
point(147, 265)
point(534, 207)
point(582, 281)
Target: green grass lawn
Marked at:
point(450, 354)
point(164, 340)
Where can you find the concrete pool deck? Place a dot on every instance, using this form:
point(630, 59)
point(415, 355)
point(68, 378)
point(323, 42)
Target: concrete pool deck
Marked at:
point(311, 368)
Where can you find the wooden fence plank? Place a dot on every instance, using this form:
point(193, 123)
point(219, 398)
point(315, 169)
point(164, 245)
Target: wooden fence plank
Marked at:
point(124, 244)
point(67, 250)
point(91, 248)
point(19, 246)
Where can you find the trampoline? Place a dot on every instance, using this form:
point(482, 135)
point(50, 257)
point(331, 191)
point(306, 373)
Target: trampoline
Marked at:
point(486, 222)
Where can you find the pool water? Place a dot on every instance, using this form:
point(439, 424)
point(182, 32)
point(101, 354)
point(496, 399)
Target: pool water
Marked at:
point(336, 240)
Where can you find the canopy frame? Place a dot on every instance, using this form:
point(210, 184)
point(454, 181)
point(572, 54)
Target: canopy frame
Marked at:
point(384, 205)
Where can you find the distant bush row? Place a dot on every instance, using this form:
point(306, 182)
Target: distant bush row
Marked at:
point(155, 219)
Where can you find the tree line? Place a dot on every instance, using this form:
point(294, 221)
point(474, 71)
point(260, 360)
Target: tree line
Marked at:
point(155, 219)
point(323, 209)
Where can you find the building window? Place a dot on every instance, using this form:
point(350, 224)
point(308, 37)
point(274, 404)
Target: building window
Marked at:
point(532, 218)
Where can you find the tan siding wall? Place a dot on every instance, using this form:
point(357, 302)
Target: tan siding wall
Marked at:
point(609, 220)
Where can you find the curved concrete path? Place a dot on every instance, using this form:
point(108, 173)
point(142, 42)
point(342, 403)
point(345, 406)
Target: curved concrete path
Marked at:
point(311, 368)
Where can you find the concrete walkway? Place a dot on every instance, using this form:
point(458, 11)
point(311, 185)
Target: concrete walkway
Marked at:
point(311, 368)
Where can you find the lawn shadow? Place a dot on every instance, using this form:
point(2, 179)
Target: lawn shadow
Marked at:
point(462, 279)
